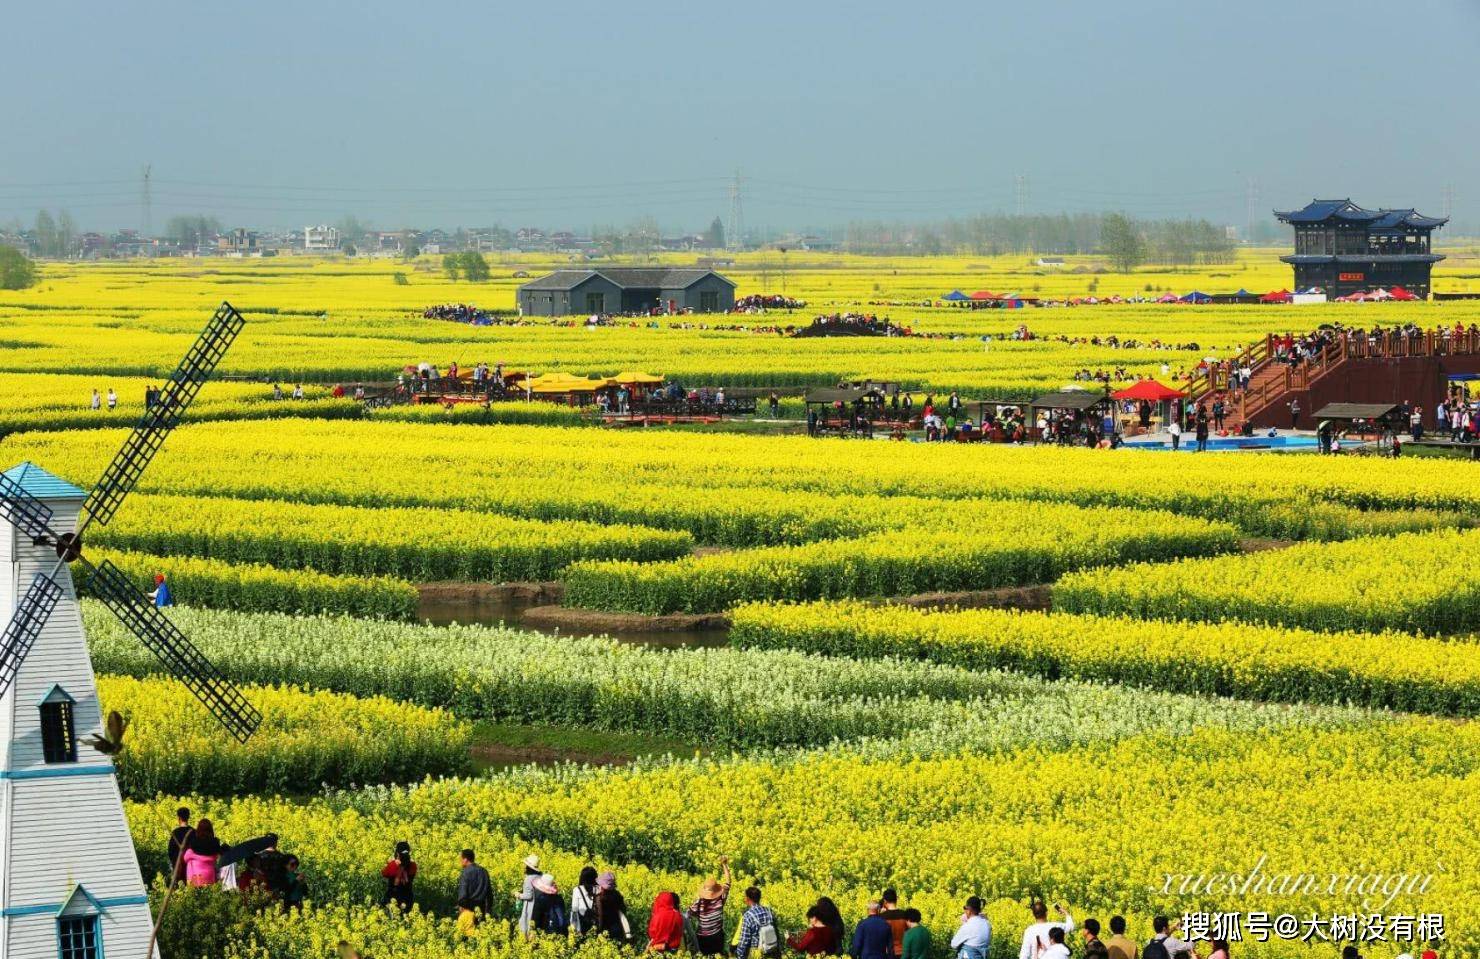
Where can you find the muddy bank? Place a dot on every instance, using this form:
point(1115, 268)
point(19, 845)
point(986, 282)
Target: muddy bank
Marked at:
point(569, 619)
point(1004, 597)
point(1254, 544)
point(537, 594)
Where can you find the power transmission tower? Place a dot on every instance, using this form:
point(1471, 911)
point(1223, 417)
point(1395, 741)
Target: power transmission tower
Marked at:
point(1251, 203)
point(1448, 200)
point(144, 202)
point(737, 214)
point(1020, 193)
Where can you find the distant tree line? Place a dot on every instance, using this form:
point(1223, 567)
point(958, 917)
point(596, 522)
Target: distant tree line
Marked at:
point(55, 235)
point(191, 231)
point(1126, 241)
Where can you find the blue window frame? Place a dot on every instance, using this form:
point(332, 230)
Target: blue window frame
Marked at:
point(78, 937)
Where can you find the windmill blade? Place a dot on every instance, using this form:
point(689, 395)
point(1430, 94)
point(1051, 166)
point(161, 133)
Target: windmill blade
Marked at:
point(30, 617)
point(24, 511)
point(179, 655)
point(156, 423)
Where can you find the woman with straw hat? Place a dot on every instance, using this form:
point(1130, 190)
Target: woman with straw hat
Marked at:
point(708, 912)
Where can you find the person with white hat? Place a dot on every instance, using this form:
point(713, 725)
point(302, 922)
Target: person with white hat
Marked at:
point(525, 896)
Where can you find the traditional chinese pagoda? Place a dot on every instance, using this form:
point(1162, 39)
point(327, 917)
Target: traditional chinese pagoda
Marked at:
point(1341, 248)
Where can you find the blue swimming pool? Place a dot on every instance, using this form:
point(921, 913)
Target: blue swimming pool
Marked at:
point(1231, 444)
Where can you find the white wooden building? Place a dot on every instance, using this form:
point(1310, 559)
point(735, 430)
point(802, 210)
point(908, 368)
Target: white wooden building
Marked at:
point(70, 886)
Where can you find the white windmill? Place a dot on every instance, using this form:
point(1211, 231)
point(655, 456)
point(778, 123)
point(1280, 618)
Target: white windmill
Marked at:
point(70, 886)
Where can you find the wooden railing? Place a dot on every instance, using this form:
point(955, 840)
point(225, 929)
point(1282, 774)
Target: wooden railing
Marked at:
point(1217, 378)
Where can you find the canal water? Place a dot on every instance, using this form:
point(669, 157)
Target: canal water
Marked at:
point(510, 612)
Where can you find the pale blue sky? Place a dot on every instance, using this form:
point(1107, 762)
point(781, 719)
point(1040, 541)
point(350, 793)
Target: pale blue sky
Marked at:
point(569, 114)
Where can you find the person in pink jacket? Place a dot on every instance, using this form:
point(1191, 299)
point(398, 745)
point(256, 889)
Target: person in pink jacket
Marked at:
point(202, 851)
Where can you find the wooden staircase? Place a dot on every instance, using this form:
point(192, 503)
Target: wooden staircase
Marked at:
point(1349, 365)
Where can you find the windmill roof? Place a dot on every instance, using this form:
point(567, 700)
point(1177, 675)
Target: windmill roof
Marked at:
point(41, 484)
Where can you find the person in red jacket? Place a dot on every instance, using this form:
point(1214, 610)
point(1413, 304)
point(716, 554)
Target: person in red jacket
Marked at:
point(399, 875)
point(819, 939)
point(665, 928)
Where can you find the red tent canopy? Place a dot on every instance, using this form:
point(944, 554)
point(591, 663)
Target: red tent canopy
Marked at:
point(1148, 390)
point(1276, 296)
point(984, 295)
point(1398, 293)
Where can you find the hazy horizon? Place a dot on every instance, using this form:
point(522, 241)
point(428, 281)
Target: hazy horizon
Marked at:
point(273, 116)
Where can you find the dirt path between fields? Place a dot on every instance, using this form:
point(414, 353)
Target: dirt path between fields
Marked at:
point(499, 755)
point(1255, 544)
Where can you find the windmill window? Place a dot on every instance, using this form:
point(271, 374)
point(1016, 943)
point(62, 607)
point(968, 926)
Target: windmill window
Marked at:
point(58, 731)
point(77, 937)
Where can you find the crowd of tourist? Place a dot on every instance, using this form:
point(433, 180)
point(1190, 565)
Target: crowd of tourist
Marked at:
point(595, 907)
point(255, 868)
point(761, 302)
point(460, 313)
point(853, 324)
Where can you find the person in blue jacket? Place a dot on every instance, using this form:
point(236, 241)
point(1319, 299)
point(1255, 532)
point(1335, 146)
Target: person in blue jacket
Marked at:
point(161, 594)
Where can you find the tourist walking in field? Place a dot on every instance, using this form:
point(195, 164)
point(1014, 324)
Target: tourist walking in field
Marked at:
point(1056, 948)
point(97, 401)
point(973, 940)
point(831, 917)
point(112, 400)
point(583, 902)
point(1164, 945)
point(611, 909)
point(547, 911)
point(178, 837)
point(708, 912)
point(1119, 945)
point(292, 892)
point(758, 930)
point(1093, 947)
point(474, 893)
point(526, 893)
point(1035, 937)
point(890, 912)
point(665, 925)
point(400, 878)
point(819, 939)
point(872, 938)
point(162, 596)
point(916, 943)
point(202, 852)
